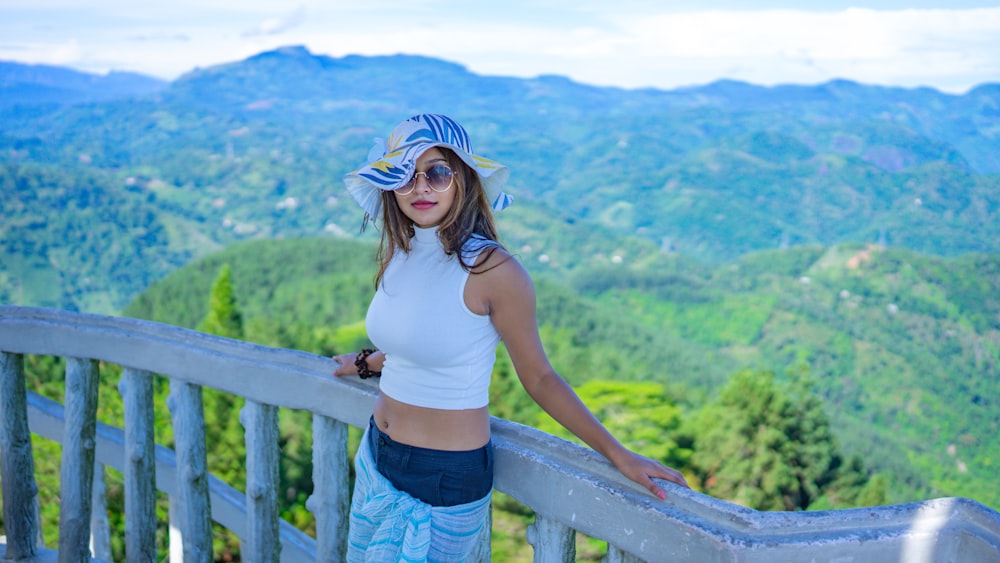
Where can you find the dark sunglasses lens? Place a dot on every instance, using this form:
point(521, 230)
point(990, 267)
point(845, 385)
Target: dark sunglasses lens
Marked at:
point(439, 177)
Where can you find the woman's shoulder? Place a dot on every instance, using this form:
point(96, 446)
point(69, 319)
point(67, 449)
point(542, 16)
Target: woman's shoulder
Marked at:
point(500, 280)
point(500, 265)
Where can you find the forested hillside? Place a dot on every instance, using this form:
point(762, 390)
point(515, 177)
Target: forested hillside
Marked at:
point(731, 262)
point(665, 394)
point(257, 148)
point(903, 349)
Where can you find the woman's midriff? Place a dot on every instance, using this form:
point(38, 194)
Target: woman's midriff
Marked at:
point(439, 429)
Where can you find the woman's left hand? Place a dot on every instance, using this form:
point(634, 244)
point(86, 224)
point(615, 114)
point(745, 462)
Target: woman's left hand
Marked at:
point(642, 469)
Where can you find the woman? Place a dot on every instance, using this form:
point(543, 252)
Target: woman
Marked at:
point(446, 293)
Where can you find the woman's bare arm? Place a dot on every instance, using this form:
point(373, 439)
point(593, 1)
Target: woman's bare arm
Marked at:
point(510, 300)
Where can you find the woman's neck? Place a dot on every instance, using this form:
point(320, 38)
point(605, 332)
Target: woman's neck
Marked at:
point(423, 236)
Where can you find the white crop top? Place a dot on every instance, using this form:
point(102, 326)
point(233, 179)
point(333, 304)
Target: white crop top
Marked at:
point(438, 353)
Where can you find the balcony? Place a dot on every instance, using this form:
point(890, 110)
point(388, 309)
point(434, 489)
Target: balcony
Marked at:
point(569, 488)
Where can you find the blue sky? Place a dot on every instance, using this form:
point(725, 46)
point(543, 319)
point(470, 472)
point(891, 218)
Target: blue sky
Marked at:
point(951, 46)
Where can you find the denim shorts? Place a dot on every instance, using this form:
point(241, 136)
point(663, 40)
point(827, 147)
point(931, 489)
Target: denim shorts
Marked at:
point(437, 477)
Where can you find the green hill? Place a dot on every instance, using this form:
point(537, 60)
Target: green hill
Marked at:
point(904, 348)
point(298, 293)
point(901, 347)
point(843, 236)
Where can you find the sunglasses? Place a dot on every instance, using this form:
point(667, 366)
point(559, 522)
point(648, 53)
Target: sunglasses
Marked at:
point(438, 177)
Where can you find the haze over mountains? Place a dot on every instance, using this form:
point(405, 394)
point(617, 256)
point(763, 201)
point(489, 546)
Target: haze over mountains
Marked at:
point(32, 85)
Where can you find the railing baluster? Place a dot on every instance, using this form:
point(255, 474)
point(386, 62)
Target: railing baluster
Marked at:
point(76, 477)
point(136, 388)
point(195, 511)
point(100, 527)
point(553, 542)
point(330, 500)
point(17, 463)
point(261, 423)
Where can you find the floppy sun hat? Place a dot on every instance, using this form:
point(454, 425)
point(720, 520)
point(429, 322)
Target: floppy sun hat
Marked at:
point(391, 164)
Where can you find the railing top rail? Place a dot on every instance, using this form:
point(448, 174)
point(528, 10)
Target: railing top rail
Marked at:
point(241, 368)
point(556, 478)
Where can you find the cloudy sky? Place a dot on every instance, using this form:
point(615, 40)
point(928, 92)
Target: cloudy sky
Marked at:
point(951, 45)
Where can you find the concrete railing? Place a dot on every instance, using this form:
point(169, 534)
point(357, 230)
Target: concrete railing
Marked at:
point(569, 488)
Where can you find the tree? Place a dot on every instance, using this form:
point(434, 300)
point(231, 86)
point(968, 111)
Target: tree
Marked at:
point(853, 487)
point(764, 446)
point(222, 421)
point(639, 414)
point(224, 317)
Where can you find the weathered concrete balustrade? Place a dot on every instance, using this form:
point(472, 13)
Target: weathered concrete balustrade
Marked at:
point(570, 488)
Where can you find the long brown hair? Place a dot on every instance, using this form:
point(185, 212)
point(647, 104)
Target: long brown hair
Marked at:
point(470, 214)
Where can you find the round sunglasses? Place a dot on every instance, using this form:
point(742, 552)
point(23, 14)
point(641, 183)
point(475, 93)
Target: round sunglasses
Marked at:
point(438, 177)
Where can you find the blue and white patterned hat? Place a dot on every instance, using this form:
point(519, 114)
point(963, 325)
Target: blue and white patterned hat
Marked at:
point(391, 164)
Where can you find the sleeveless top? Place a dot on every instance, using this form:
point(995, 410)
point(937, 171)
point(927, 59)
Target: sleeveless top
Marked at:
point(438, 353)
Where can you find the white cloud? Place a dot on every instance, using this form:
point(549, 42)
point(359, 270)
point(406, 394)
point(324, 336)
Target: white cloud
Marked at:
point(949, 49)
point(275, 26)
point(64, 53)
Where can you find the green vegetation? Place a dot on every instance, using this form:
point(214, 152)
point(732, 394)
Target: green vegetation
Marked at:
point(100, 199)
point(789, 293)
point(829, 411)
point(901, 347)
point(762, 445)
point(639, 414)
point(820, 319)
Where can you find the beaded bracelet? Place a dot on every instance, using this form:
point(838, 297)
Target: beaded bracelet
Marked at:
point(361, 361)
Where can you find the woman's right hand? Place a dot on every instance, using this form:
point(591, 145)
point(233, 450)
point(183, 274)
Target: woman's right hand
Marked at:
point(345, 364)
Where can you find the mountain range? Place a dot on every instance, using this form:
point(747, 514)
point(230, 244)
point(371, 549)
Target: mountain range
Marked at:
point(256, 148)
point(850, 228)
point(33, 85)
